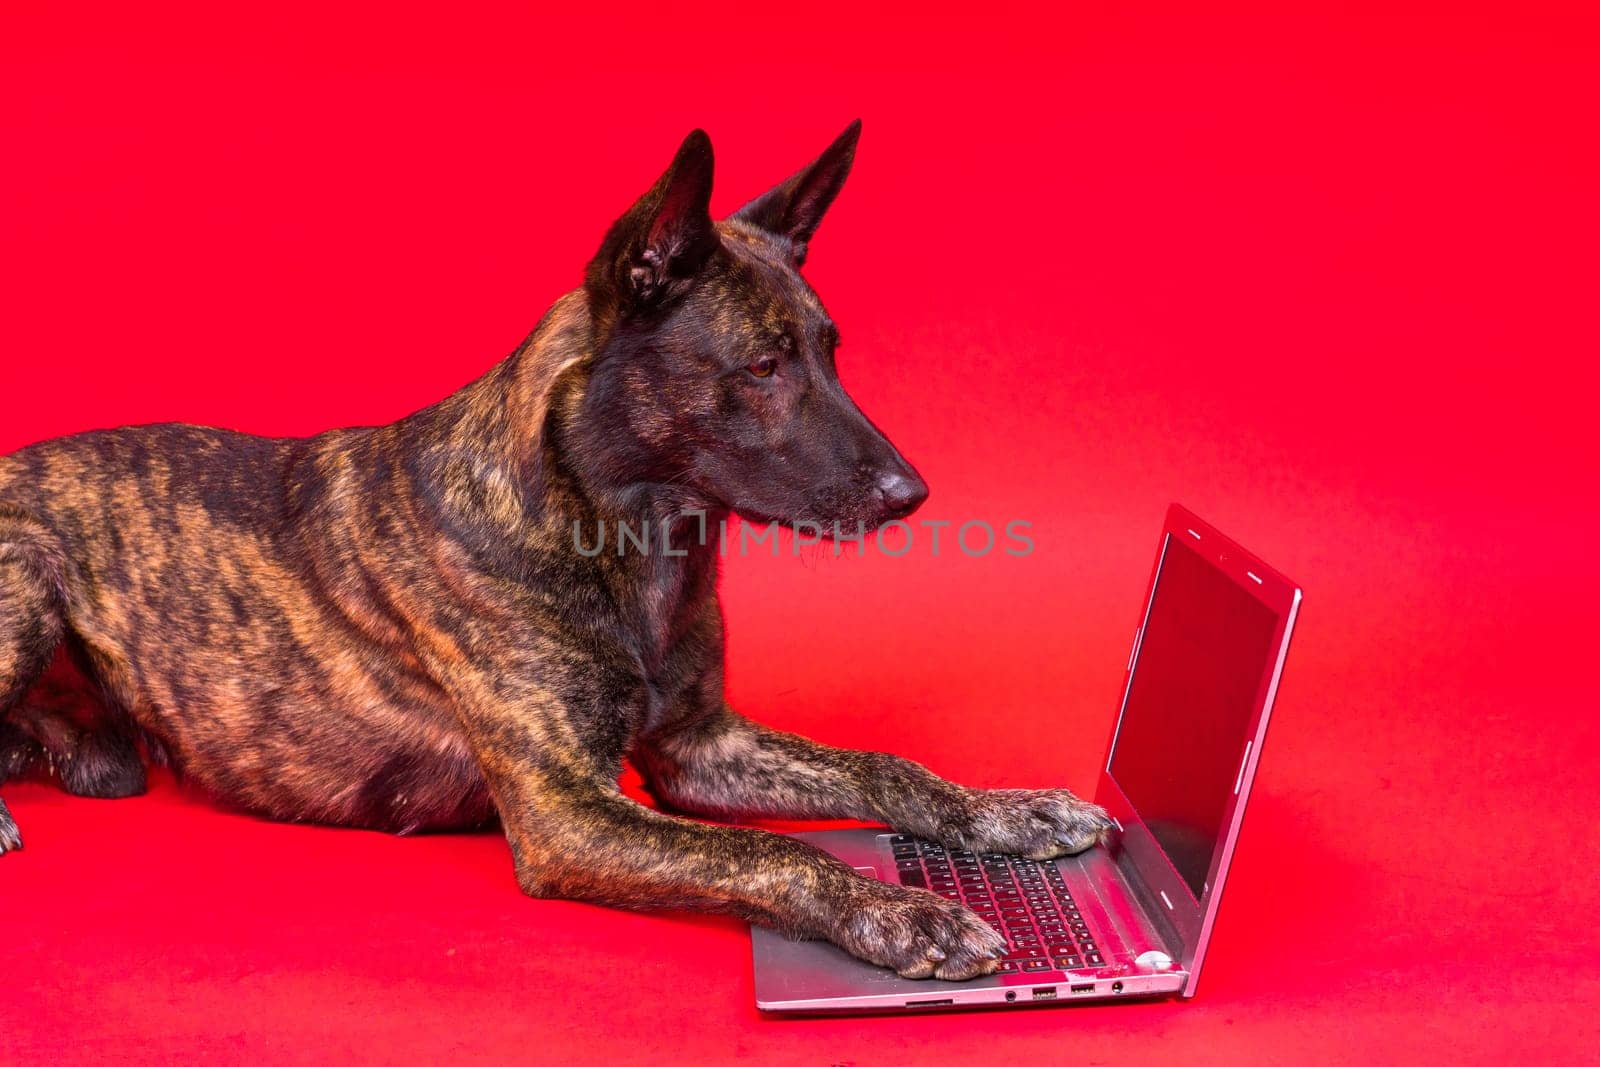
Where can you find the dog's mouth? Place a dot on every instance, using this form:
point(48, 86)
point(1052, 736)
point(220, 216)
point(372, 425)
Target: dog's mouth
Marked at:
point(847, 510)
point(828, 529)
point(761, 517)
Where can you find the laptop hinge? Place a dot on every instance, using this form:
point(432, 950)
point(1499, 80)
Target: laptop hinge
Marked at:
point(1152, 910)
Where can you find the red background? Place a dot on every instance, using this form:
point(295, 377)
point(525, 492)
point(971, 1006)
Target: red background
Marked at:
point(1328, 279)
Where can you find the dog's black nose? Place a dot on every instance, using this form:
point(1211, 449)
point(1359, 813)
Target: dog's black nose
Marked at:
point(902, 492)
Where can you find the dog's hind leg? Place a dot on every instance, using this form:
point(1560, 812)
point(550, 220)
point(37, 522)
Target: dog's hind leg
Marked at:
point(86, 741)
point(31, 623)
point(87, 748)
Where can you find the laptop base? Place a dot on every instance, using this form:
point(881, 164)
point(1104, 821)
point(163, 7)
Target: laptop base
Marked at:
point(816, 977)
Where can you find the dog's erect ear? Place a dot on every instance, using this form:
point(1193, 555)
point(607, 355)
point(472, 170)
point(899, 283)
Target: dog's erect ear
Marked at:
point(795, 208)
point(651, 253)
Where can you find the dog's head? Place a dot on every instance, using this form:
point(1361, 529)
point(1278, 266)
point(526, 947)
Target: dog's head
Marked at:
point(715, 369)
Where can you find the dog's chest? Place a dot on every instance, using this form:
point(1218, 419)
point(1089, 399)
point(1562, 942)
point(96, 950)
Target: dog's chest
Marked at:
point(672, 632)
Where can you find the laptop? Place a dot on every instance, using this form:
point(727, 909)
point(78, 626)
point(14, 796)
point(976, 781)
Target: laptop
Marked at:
point(1131, 917)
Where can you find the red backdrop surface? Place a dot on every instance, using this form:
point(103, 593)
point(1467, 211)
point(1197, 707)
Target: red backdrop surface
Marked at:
point(1328, 279)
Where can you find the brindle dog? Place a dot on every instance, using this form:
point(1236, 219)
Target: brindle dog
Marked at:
point(392, 627)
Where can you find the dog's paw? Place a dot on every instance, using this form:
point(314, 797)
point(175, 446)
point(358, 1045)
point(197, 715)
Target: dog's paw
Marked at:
point(918, 934)
point(103, 765)
point(1040, 824)
point(10, 838)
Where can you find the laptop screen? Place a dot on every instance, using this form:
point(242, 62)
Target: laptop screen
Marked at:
point(1180, 744)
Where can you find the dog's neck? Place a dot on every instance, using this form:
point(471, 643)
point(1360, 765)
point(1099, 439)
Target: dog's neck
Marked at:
point(518, 449)
point(523, 482)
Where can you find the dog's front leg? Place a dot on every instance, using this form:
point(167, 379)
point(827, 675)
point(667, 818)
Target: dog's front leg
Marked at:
point(574, 835)
point(721, 763)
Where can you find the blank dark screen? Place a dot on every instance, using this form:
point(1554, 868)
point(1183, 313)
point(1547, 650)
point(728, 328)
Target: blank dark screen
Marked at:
point(1184, 726)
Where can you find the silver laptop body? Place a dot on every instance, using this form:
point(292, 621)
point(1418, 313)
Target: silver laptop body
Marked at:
point(1201, 679)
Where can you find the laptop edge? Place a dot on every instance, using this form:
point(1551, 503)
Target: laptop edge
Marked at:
point(1155, 928)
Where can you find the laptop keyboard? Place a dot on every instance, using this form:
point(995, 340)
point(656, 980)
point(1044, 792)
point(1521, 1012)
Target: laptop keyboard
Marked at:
point(1025, 901)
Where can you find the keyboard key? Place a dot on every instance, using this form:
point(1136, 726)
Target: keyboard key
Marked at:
point(1025, 902)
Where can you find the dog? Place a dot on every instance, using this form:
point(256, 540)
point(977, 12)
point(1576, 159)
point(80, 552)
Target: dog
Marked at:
point(389, 627)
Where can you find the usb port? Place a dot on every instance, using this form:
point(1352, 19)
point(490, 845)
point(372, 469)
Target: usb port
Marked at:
point(1046, 992)
point(1087, 987)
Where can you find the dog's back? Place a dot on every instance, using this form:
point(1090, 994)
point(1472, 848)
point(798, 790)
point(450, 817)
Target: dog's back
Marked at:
point(212, 584)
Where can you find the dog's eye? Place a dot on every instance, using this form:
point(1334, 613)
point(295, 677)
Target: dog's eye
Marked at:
point(763, 367)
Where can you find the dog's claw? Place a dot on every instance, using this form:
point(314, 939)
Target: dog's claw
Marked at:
point(10, 836)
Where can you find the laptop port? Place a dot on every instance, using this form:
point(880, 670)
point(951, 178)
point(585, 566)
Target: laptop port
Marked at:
point(1045, 992)
point(928, 1003)
point(1116, 987)
point(1087, 987)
